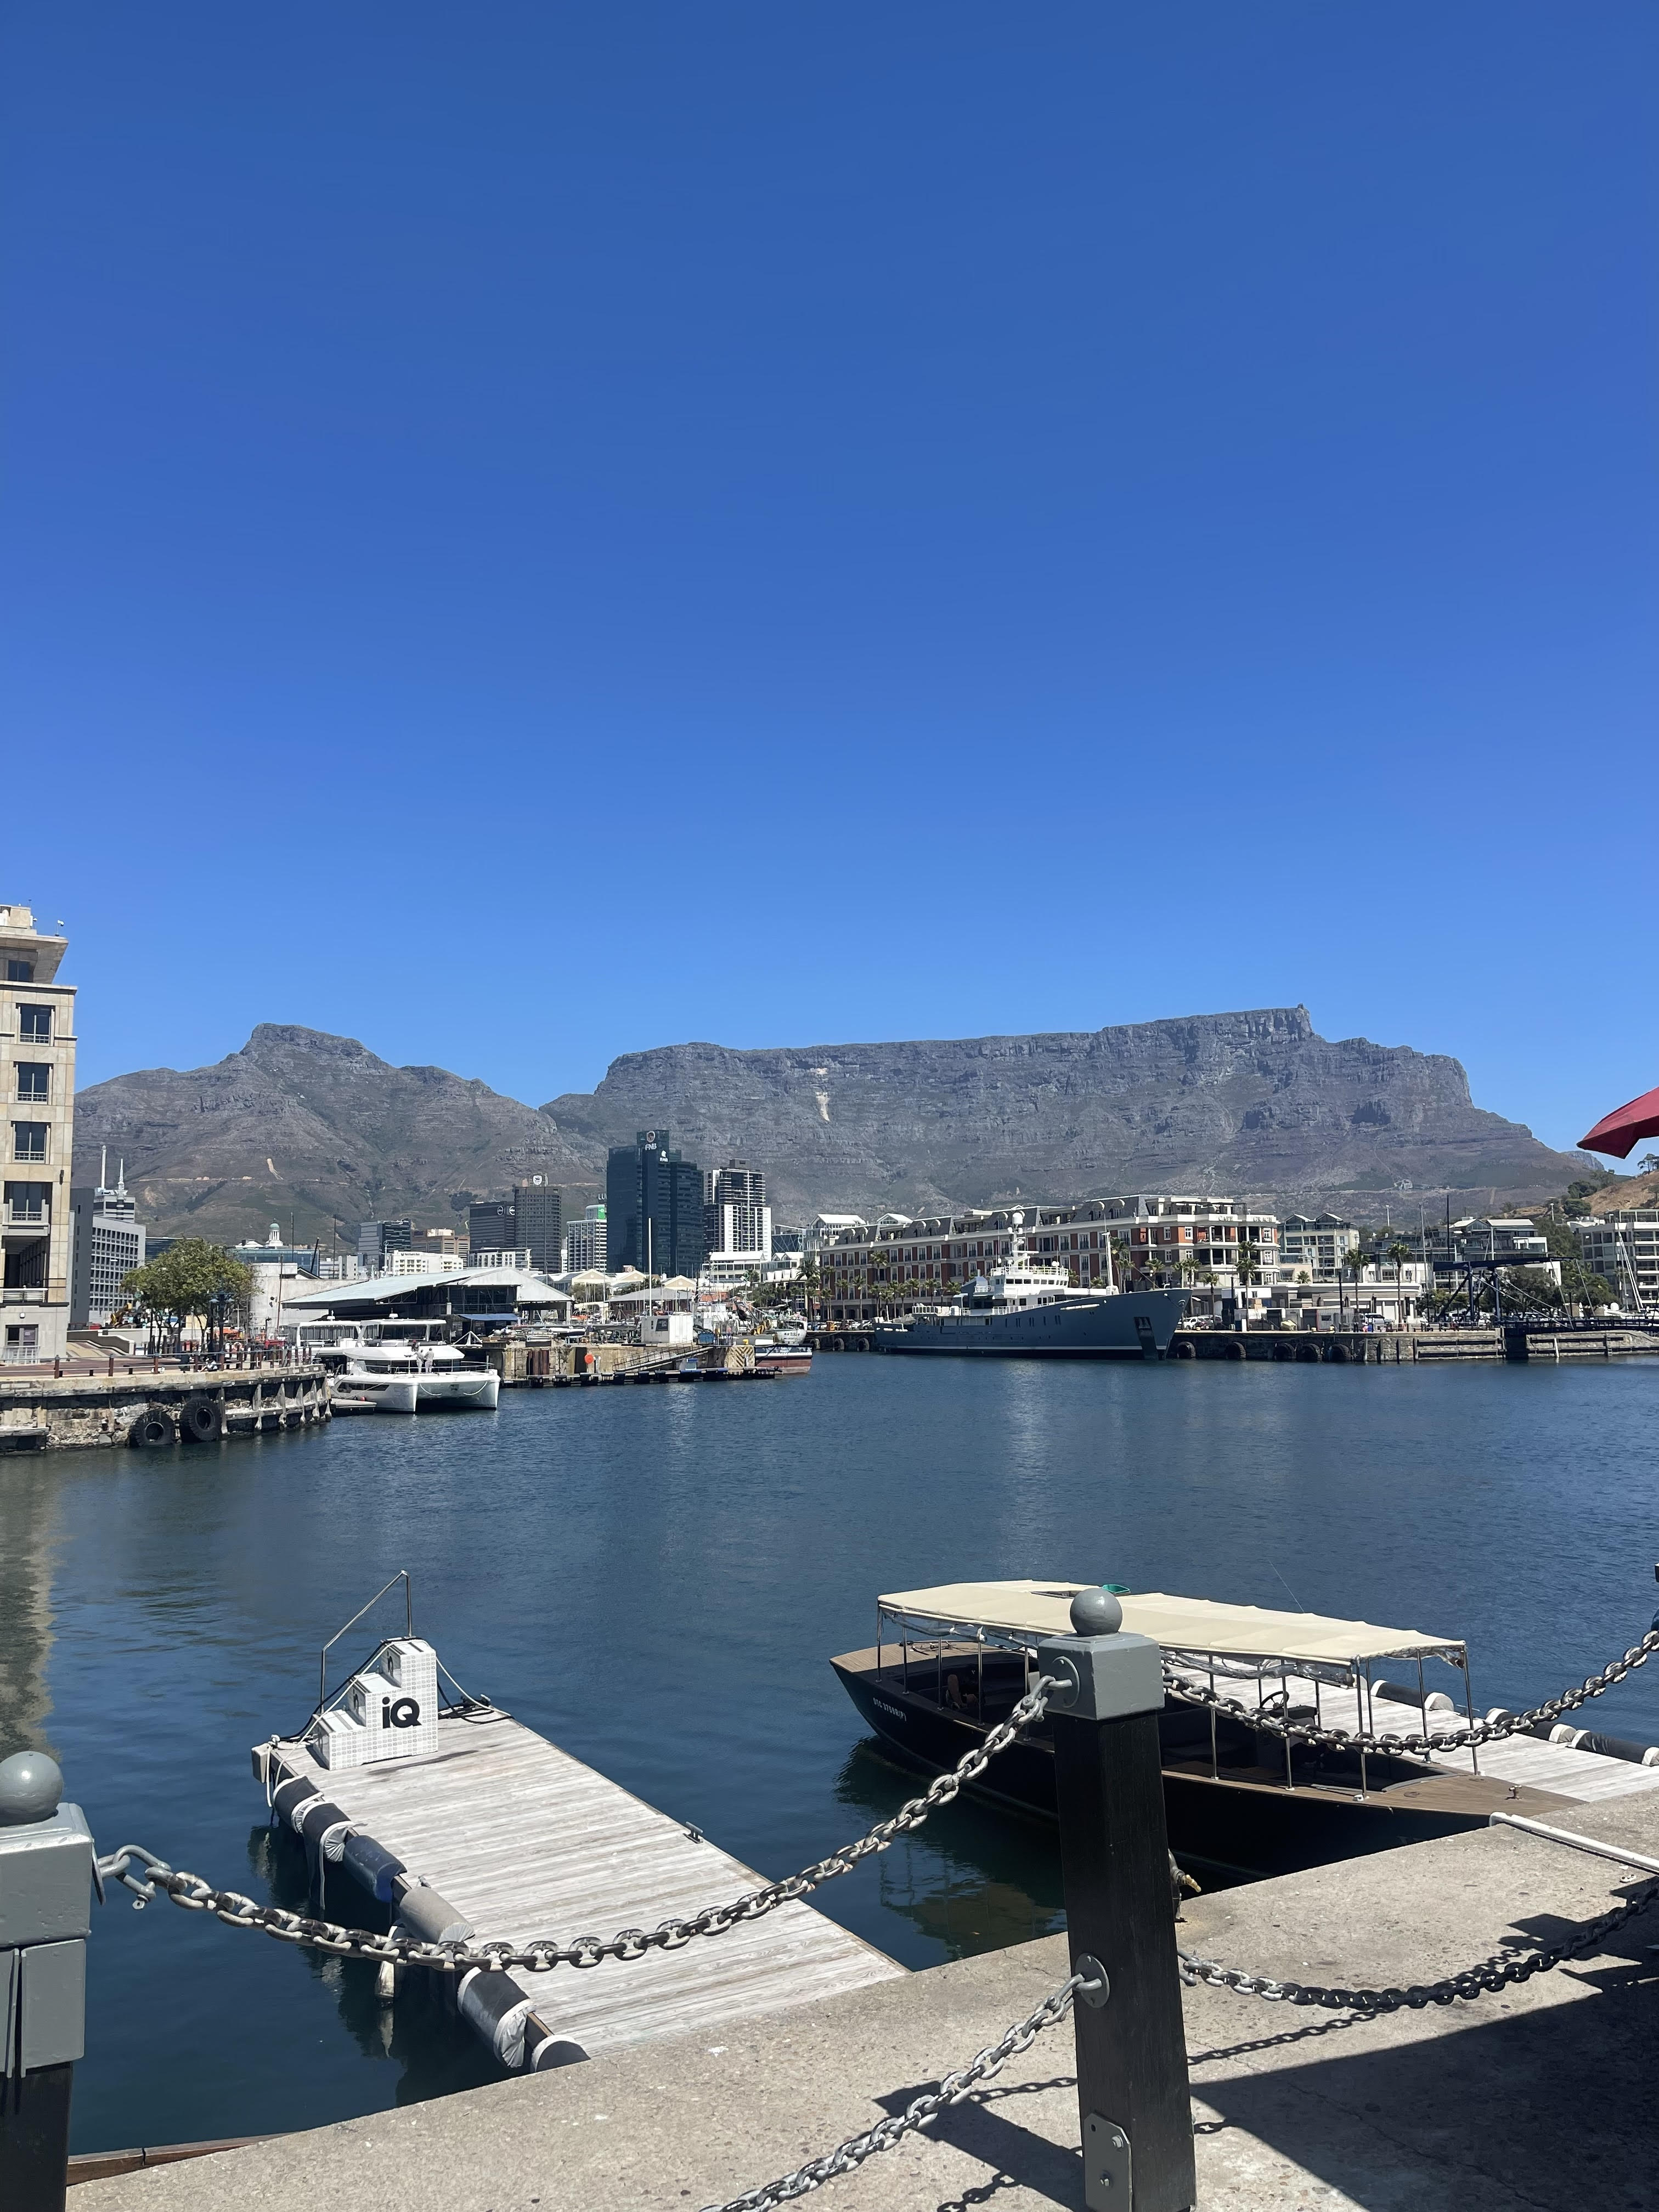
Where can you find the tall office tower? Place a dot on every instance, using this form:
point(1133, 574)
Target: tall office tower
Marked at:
point(376, 1238)
point(491, 1225)
point(735, 1215)
point(538, 1220)
point(653, 1207)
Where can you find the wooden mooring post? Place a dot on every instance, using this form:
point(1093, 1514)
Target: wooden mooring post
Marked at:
point(1133, 2101)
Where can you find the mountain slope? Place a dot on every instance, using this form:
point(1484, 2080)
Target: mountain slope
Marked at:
point(302, 1126)
point(1255, 1102)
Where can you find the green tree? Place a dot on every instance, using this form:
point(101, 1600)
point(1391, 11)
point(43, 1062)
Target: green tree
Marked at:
point(1529, 1289)
point(181, 1284)
point(1583, 1288)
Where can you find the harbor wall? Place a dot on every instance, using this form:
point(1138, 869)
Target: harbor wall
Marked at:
point(1340, 1347)
point(82, 1412)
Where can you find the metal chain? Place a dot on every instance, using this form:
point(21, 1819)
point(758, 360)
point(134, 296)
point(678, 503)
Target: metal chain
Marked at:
point(229, 1905)
point(885, 2133)
point(1461, 1739)
point(1481, 1980)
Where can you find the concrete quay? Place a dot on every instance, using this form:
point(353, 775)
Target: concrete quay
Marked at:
point(1405, 1347)
point(157, 1408)
point(1539, 2096)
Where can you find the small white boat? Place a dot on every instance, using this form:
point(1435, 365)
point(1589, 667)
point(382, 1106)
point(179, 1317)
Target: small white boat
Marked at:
point(780, 1355)
point(426, 1379)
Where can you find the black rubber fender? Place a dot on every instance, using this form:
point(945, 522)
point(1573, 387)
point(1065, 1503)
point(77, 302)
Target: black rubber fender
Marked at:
point(153, 1431)
point(201, 1419)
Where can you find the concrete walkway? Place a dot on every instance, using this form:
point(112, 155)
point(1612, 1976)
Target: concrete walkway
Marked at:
point(1542, 2097)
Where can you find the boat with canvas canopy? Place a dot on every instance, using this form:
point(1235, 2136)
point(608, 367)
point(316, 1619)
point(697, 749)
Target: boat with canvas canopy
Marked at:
point(949, 1662)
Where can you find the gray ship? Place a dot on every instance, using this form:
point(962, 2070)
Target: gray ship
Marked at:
point(1027, 1311)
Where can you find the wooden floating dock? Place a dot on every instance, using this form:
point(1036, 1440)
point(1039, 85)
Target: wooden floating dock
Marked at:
point(528, 1842)
point(1582, 1778)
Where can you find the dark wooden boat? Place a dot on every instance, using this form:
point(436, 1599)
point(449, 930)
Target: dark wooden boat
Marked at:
point(949, 1663)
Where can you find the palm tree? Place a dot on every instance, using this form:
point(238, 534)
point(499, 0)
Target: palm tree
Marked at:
point(1400, 1252)
point(1353, 1264)
point(1246, 1270)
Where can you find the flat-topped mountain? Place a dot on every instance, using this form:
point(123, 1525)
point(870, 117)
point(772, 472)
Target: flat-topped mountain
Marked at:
point(1249, 1103)
point(302, 1125)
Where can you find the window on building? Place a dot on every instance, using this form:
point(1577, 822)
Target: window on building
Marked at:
point(19, 972)
point(34, 1021)
point(28, 1141)
point(29, 1202)
point(35, 1080)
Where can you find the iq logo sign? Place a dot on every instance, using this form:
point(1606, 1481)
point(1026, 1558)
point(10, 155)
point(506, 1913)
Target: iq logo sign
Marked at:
point(400, 1712)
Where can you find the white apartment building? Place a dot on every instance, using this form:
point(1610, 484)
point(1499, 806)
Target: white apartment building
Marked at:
point(585, 1243)
point(1624, 1246)
point(1144, 1242)
point(739, 1230)
point(37, 1062)
point(417, 1261)
point(1319, 1245)
point(109, 1243)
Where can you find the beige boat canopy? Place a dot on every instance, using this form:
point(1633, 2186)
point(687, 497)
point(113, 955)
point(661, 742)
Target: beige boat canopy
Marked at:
point(1194, 1625)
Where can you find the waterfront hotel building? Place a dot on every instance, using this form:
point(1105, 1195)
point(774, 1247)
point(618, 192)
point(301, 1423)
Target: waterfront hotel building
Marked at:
point(37, 1055)
point(1144, 1242)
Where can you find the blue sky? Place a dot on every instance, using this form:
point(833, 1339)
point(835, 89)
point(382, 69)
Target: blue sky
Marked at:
point(531, 533)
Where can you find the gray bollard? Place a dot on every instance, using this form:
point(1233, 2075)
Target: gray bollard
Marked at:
point(45, 1917)
point(1133, 2097)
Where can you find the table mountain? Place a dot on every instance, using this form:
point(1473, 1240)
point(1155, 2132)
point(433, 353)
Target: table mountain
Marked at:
point(1255, 1103)
point(301, 1127)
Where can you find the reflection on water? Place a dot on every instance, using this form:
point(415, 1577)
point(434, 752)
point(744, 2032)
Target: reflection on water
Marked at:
point(28, 1531)
point(656, 1581)
point(419, 2031)
point(986, 1878)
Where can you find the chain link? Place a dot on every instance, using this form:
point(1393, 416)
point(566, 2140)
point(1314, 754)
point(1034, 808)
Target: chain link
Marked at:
point(235, 1910)
point(1481, 1980)
point(1462, 1739)
point(885, 2133)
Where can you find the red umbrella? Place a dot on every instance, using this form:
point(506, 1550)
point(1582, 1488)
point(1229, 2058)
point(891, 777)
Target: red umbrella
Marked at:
point(1618, 1133)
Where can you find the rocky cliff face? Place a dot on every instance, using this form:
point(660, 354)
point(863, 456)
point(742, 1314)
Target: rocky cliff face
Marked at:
point(301, 1126)
point(1251, 1103)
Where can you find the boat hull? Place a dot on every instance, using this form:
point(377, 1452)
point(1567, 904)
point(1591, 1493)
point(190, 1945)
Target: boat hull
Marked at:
point(477, 1391)
point(1231, 1828)
point(1118, 1325)
point(783, 1359)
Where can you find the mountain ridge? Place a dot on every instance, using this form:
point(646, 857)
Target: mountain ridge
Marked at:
point(309, 1127)
point(1254, 1101)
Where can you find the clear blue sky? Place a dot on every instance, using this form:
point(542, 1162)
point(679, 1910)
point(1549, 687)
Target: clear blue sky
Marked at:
point(532, 532)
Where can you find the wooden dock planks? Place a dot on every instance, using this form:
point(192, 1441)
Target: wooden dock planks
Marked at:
point(1587, 1776)
point(528, 1842)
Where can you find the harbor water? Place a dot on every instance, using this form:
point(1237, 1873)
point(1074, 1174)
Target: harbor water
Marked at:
point(656, 1579)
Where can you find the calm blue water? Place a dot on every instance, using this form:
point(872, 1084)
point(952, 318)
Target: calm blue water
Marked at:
point(655, 1578)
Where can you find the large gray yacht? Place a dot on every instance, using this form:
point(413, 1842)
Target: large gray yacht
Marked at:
point(1024, 1310)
